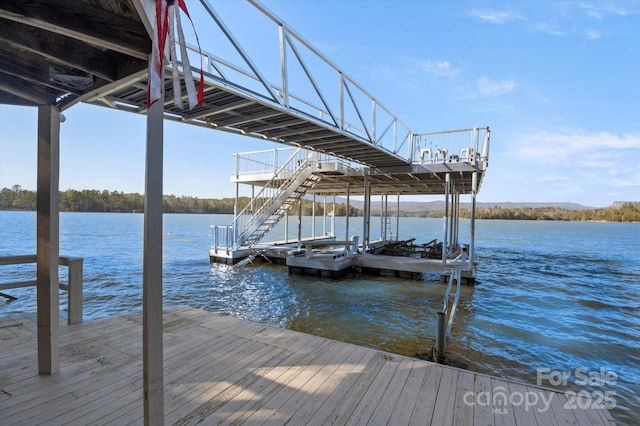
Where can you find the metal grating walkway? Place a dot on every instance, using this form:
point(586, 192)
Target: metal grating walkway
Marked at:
point(238, 110)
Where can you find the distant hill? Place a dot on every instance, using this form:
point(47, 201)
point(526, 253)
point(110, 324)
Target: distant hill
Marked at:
point(412, 206)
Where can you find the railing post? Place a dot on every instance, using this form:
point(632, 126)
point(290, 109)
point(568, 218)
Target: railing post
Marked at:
point(74, 291)
point(237, 165)
point(275, 161)
point(474, 144)
point(485, 149)
point(395, 135)
point(411, 137)
point(373, 121)
point(209, 64)
point(341, 97)
point(283, 64)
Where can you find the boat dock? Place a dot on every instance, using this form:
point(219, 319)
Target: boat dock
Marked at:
point(345, 142)
point(224, 370)
point(282, 179)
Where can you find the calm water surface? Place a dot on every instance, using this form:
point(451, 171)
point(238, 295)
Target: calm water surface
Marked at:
point(550, 295)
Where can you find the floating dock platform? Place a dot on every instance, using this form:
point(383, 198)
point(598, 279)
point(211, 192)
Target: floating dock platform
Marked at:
point(336, 264)
point(338, 259)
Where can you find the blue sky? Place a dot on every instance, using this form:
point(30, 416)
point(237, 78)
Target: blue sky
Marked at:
point(557, 82)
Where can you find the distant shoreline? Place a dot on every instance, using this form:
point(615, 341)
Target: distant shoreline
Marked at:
point(16, 198)
point(374, 214)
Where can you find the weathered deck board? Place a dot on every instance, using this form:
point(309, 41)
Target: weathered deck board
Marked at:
point(427, 393)
point(231, 371)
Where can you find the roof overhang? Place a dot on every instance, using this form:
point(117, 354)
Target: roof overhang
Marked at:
point(63, 52)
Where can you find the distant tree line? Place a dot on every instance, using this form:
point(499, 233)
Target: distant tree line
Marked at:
point(88, 200)
point(627, 212)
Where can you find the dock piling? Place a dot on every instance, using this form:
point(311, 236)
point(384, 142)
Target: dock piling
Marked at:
point(440, 337)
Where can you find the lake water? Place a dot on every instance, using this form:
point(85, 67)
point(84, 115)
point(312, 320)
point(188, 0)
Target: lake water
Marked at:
point(556, 296)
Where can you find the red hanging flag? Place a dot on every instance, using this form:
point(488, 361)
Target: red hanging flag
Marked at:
point(167, 24)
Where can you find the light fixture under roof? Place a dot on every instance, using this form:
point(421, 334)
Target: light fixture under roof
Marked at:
point(70, 78)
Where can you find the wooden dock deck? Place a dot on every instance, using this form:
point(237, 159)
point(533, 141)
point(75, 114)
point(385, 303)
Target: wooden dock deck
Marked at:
point(231, 371)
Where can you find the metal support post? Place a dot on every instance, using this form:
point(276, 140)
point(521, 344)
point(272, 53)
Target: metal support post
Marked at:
point(235, 212)
point(474, 190)
point(324, 215)
point(333, 218)
point(440, 337)
point(346, 232)
point(286, 227)
point(447, 183)
point(455, 219)
point(366, 214)
point(398, 218)
point(313, 217)
point(300, 224)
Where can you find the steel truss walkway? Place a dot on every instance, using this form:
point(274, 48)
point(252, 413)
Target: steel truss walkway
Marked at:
point(349, 123)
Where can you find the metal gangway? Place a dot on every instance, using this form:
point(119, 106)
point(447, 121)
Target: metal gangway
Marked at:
point(332, 114)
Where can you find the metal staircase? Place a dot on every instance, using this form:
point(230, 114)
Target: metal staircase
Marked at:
point(287, 187)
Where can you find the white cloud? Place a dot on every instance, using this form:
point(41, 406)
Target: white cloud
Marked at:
point(485, 87)
point(552, 178)
point(495, 17)
point(592, 34)
point(442, 68)
point(382, 69)
point(578, 150)
point(488, 87)
point(549, 28)
point(596, 14)
point(601, 10)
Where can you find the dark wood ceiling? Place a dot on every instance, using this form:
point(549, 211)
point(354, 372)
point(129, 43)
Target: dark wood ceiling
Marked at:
point(60, 52)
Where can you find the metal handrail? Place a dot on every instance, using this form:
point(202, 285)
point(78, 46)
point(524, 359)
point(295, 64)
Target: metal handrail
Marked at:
point(462, 145)
point(270, 160)
point(455, 274)
point(353, 101)
point(221, 237)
